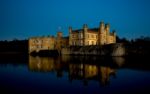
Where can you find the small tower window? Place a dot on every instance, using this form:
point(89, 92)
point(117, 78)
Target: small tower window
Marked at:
point(88, 36)
point(73, 36)
point(92, 36)
point(96, 36)
point(88, 43)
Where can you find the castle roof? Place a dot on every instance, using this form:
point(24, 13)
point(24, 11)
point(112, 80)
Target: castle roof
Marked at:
point(77, 31)
point(66, 37)
point(41, 37)
point(91, 30)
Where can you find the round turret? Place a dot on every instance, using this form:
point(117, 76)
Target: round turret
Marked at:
point(107, 28)
point(85, 26)
point(70, 29)
point(102, 26)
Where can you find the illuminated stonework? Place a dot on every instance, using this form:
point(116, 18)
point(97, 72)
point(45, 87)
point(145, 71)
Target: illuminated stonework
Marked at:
point(82, 37)
point(94, 36)
point(47, 43)
point(41, 43)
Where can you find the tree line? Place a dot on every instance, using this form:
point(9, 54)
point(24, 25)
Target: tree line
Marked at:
point(138, 46)
point(14, 46)
point(22, 45)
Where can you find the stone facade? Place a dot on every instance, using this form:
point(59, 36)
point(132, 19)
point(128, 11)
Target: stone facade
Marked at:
point(94, 36)
point(47, 43)
point(61, 41)
point(41, 43)
point(117, 49)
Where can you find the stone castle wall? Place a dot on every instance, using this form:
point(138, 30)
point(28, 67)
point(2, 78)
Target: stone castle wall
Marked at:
point(41, 43)
point(37, 44)
point(107, 50)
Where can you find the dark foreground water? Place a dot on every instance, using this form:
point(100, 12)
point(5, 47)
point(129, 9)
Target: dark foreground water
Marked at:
point(74, 75)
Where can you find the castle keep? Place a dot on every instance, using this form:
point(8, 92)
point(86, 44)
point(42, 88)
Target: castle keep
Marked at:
point(93, 36)
point(81, 37)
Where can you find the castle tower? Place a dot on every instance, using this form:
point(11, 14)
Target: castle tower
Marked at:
point(102, 26)
point(100, 33)
point(70, 36)
point(59, 35)
point(58, 41)
point(107, 30)
point(114, 36)
point(85, 30)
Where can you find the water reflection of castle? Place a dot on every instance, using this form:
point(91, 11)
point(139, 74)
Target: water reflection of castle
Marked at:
point(77, 71)
point(87, 72)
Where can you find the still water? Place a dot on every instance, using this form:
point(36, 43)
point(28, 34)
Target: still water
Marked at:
point(74, 75)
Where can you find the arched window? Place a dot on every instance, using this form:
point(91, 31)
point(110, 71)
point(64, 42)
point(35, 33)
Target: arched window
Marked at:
point(92, 42)
point(88, 42)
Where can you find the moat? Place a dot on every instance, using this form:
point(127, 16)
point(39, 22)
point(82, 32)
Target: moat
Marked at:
point(74, 75)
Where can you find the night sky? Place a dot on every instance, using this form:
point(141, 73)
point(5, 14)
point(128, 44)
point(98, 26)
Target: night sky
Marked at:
point(22, 19)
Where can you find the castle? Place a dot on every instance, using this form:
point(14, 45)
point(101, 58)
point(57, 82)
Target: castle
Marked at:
point(81, 37)
point(94, 36)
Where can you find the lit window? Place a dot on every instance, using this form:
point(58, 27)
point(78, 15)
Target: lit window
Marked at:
point(80, 36)
point(96, 36)
point(88, 42)
point(74, 43)
point(72, 36)
point(92, 36)
point(92, 42)
point(88, 36)
point(81, 43)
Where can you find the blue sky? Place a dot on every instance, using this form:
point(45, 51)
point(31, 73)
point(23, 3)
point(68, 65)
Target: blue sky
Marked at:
point(22, 19)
